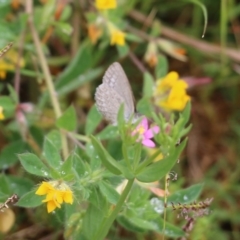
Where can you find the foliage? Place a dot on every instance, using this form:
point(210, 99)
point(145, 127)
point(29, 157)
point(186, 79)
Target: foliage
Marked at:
point(153, 175)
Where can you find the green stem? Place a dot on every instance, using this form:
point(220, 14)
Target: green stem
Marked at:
point(80, 137)
point(125, 155)
point(107, 222)
point(223, 32)
point(165, 205)
point(46, 71)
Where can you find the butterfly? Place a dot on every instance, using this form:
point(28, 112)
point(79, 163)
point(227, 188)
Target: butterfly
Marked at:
point(114, 91)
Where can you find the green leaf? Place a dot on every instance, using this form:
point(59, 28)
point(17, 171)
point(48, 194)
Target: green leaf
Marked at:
point(79, 65)
point(133, 38)
point(95, 162)
point(129, 225)
point(30, 200)
point(148, 84)
point(170, 230)
point(79, 165)
point(66, 169)
point(8, 155)
point(159, 169)
point(187, 195)
point(120, 118)
point(179, 128)
point(55, 137)
point(8, 106)
point(106, 159)
point(94, 215)
point(109, 132)
point(80, 80)
point(93, 119)
point(4, 186)
point(18, 185)
point(161, 68)
point(109, 192)
point(123, 50)
point(144, 107)
point(68, 120)
point(33, 165)
point(13, 94)
point(51, 154)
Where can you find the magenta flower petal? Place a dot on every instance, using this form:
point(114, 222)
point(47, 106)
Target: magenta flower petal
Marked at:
point(144, 123)
point(148, 143)
point(151, 132)
point(155, 129)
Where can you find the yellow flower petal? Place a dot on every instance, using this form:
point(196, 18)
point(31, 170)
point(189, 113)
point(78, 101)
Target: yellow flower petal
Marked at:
point(106, 4)
point(170, 92)
point(169, 80)
point(68, 197)
point(44, 188)
point(51, 206)
point(59, 196)
point(56, 193)
point(176, 101)
point(117, 38)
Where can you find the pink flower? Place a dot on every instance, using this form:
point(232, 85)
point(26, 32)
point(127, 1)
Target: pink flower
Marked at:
point(145, 134)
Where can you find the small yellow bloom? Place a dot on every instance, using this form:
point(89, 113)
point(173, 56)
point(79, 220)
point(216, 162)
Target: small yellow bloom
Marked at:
point(176, 100)
point(106, 4)
point(56, 193)
point(167, 82)
point(117, 37)
point(170, 92)
point(2, 117)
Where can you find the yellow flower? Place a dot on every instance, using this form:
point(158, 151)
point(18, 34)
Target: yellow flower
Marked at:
point(2, 117)
point(56, 193)
point(170, 92)
point(8, 63)
point(106, 4)
point(117, 37)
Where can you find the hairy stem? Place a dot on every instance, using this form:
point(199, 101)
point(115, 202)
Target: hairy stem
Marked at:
point(46, 72)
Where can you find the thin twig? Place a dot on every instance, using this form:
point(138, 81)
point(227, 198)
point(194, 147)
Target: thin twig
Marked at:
point(137, 62)
point(185, 39)
point(46, 71)
point(17, 78)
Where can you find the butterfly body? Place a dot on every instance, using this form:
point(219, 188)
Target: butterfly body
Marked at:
point(114, 91)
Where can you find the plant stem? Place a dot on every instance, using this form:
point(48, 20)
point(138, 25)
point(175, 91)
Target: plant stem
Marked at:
point(223, 33)
point(107, 222)
point(165, 205)
point(47, 75)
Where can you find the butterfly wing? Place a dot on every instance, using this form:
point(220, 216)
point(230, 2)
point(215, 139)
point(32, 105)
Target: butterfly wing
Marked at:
point(116, 79)
point(108, 102)
point(114, 91)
